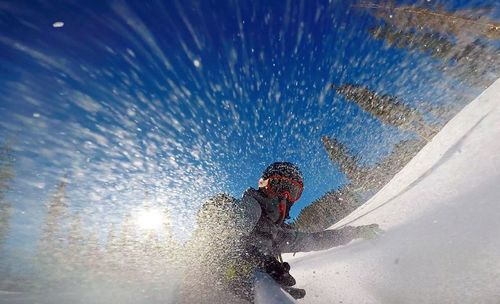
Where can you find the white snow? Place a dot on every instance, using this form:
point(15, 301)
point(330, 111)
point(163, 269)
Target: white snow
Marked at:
point(441, 216)
point(58, 24)
point(268, 291)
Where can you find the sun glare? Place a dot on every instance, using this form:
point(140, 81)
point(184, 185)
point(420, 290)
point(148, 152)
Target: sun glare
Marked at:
point(150, 219)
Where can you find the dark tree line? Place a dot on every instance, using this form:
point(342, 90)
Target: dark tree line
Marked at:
point(6, 176)
point(388, 109)
point(461, 23)
point(71, 250)
point(327, 210)
point(460, 39)
point(335, 205)
point(475, 62)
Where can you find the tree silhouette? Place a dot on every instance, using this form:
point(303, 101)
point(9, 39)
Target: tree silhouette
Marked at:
point(461, 23)
point(51, 243)
point(327, 210)
point(6, 169)
point(340, 156)
point(51, 256)
point(5, 213)
point(6, 176)
point(384, 170)
point(364, 182)
point(388, 109)
point(76, 242)
point(475, 62)
point(457, 38)
point(434, 44)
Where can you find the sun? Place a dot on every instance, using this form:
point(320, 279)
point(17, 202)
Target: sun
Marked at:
point(149, 219)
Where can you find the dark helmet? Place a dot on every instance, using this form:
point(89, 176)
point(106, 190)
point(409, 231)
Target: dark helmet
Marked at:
point(285, 169)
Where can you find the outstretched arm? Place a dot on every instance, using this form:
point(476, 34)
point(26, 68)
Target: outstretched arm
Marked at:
point(295, 241)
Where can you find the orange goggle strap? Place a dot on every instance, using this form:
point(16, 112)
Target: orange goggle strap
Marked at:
point(282, 209)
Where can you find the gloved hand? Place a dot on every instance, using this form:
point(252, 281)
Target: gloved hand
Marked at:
point(279, 272)
point(367, 232)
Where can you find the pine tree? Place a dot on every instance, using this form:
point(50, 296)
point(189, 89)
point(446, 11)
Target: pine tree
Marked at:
point(76, 241)
point(475, 62)
point(93, 251)
point(340, 156)
point(127, 243)
point(365, 181)
point(383, 171)
point(51, 244)
point(388, 109)
point(461, 23)
point(6, 177)
point(327, 210)
point(5, 213)
point(431, 43)
point(111, 240)
point(111, 250)
point(371, 179)
point(457, 38)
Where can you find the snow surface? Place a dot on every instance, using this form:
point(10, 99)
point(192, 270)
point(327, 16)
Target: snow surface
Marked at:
point(441, 216)
point(268, 291)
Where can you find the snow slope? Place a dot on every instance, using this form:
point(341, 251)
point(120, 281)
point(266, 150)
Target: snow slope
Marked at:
point(441, 215)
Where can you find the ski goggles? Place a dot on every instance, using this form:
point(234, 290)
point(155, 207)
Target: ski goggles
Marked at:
point(284, 186)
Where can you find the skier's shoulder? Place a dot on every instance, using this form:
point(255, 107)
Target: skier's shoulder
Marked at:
point(249, 200)
point(249, 194)
point(248, 209)
point(216, 204)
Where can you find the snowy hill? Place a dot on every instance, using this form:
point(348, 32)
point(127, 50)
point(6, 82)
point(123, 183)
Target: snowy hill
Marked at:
point(441, 215)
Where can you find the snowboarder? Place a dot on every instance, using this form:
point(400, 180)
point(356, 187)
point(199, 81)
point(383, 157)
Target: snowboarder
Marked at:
point(265, 210)
point(235, 239)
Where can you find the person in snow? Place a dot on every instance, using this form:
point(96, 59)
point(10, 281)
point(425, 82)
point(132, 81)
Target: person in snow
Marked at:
point(235, 239)
point(263, 212)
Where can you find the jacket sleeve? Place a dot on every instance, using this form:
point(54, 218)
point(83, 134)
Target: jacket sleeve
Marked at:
point(294, 241)
point(247, 214)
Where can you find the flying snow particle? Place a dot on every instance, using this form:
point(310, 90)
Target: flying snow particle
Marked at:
point(197, 63)
point(130, 52)
point(58, 24)
point(36, 115)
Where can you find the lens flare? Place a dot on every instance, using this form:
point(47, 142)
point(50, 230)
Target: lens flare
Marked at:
point(150, 219)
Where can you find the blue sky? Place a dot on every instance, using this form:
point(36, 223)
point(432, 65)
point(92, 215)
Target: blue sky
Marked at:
point(184, 99)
